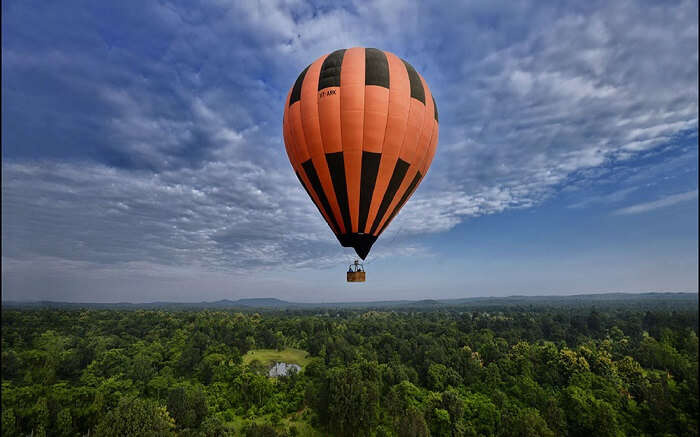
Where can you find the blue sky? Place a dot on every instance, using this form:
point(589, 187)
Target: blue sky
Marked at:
point(142, 154)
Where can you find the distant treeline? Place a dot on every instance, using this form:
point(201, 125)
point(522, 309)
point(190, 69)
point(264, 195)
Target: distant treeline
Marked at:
point(508, 370)
point(668, 301)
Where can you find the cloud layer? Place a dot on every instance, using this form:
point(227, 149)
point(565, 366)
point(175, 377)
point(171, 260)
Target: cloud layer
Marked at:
point(152, 133)
point(660, 203)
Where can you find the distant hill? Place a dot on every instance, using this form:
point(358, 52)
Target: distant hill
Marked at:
point(262, 302)
point(429, 302)
point(638, 300)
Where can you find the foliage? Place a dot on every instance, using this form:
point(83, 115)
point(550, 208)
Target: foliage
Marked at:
point(513, 371)
point(136, 417)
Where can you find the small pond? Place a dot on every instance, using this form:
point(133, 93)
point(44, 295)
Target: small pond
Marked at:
point(283, 369)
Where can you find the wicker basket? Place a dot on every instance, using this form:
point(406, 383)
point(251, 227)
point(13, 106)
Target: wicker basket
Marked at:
point(356, 276)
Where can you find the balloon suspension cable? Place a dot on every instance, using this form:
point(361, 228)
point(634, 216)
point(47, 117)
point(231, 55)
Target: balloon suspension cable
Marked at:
point(390, 244)
point(395, 236)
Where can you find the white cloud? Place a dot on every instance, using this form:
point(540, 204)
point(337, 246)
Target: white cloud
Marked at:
point(224, 215)
point(656, 204)
point(615, 196)
point(575, 92)
point(170, 145)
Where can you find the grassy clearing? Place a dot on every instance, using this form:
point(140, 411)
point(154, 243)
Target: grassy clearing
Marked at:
point(304, 429)
point(268, 357)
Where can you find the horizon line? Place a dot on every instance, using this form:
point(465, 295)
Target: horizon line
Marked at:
point(35, 301)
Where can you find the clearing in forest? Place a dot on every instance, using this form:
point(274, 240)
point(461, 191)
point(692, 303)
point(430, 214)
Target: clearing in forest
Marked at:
point(268, 357)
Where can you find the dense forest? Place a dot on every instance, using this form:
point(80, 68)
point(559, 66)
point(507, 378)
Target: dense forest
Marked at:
point(448, 371)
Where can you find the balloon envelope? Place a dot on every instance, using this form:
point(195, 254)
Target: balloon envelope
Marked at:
point(360, 129)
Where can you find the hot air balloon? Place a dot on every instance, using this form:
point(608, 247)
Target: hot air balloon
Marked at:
point(360, 128)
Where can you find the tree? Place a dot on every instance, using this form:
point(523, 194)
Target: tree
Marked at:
point(64, 422)
point(136, 417)
point(515, 371)
point(260, 430)
point(480, 414)
point(525, 422)
point(214, 426)
point(9, 421)
point(440, 425)
point(193, 352)
point(440, 377)
point(587, 415)
point(52, 347)
point(187, 406)
point(411, 423)
point(353, 399)
point(594, 322)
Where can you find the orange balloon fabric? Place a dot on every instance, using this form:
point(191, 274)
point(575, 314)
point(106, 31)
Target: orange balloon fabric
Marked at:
point(360, 128)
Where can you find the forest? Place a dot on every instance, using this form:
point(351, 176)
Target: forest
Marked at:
point(513, 370)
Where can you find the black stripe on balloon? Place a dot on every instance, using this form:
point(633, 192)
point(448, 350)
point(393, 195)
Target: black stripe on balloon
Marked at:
point(330, 70)
point(417, 91)
point(368, 178)
point(309, 193)
point(435, 106)
point(336, 166)
point(396, 178)
point(296, 91)
point(376, 68)
point(316, 185)
point(403, 200)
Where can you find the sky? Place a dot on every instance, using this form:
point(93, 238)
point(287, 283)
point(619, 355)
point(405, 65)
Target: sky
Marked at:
point(143, 159)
